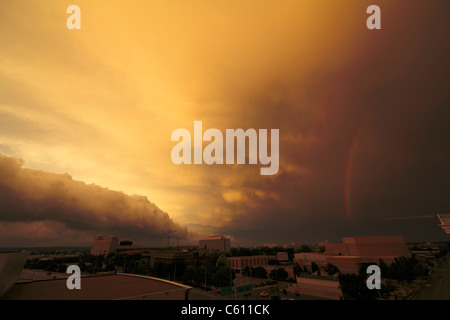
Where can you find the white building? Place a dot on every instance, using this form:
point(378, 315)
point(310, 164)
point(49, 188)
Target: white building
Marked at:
point(104, 245)
point(349, 254)
point(239, 263)
point(219, 243)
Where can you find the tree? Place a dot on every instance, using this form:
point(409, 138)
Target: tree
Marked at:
point(402, 269)
point(243, 252)
point(142, 267)
point(212, 260)
point(61, 267)
point(177, 268)
point(223, 277)
point(161, 270)
point(273, 262)
point(354, 287)
point(290, 252)
point(297, 269)
point(384, 269)
point(221, 261)
point(387, 288)
point(198, 277)
point(259, 272)
point(443, 251)
point(279, 274)
point(189, 274)
point(331, 269)
point(305, 248)
point(118, 260)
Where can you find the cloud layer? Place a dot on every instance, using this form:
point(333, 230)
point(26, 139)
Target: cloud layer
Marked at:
point(57, 209)
point(362, 116)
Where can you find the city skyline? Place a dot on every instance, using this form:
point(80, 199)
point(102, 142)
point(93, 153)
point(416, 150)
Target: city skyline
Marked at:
point(86, 118)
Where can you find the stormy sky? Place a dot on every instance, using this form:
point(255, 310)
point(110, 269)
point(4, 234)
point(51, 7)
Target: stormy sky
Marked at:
point(86, 118)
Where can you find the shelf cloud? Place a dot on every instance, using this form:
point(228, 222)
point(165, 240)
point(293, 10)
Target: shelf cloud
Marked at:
point(49, 206)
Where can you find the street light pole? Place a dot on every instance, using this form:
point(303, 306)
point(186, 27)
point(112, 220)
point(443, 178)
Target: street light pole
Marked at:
point(175, 272)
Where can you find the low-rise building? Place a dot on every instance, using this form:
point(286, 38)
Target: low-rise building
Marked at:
point(215, 243)
point(104, 245)
point(239, 263)
point(282, 256)
point(349, 254)
point(444, 220)
point(170, 256)
point(105, 287)
point(327, 289)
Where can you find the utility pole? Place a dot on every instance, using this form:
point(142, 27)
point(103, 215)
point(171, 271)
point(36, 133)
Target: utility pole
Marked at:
point(231, 284)
point(168, 239)
point(276, 277)
point(175, 271)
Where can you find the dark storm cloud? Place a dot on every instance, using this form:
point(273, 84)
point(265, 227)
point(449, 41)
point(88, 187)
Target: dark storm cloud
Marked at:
point(54, 201)
point(375, 145)
point(363, 119)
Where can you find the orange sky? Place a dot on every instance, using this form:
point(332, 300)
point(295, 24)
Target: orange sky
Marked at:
point(101, 103)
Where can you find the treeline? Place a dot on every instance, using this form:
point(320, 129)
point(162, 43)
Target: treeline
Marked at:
point(277, 274)
point(47, 250)
point(215, 273)
point(354, 286)
point(443, 251)
point(51, 265)
point(404, 269)
point(241, 251)
point(92, 264)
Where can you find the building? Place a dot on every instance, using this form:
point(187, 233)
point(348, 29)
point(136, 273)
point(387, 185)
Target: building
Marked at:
point(215, 243)
point(104, 245)
point(394, 246)
point(171, 256)
point(327, 289)
point(128, 246)
point(105, 287)
point(444, 220)
point(239, 263)
point(126, 243)
point(282, 256)
point(349, 254)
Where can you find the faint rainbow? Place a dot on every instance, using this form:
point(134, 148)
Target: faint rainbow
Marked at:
point(348, 173)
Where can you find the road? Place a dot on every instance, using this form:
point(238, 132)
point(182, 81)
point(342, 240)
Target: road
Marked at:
point(199, 294)
point(438, 285)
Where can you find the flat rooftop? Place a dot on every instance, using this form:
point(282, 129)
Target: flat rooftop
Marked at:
point(445, 222)
point(107, 287)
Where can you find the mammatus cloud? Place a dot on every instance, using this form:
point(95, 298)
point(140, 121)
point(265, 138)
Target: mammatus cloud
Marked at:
point(35, 205)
